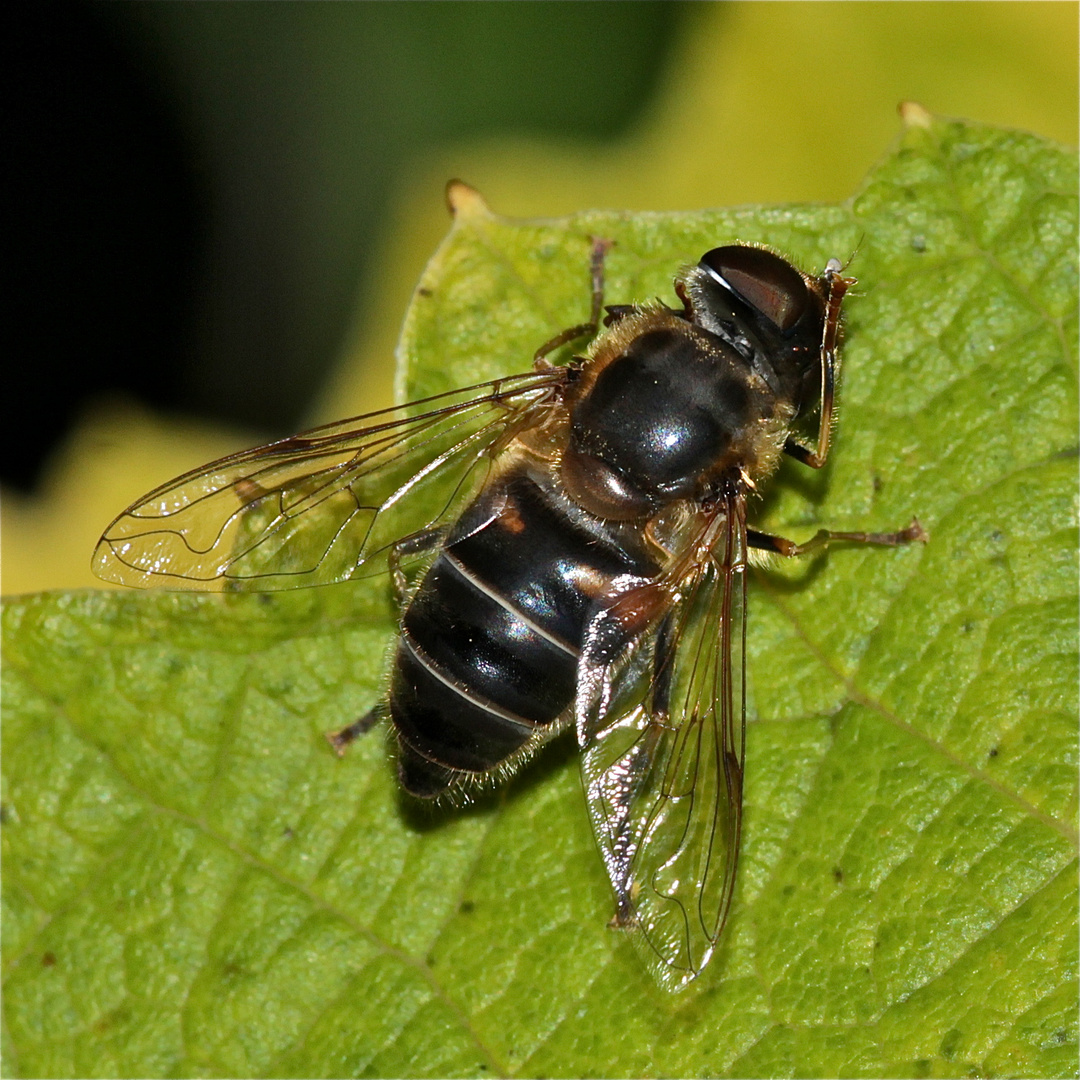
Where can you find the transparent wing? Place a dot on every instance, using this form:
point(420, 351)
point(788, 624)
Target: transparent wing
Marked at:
point(660, 715)
point(317, 507)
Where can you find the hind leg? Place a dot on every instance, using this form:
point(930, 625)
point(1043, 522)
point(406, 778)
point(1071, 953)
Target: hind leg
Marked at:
point(414, 544)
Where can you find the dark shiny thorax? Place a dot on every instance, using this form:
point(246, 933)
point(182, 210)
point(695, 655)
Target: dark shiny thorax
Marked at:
point(668, 409)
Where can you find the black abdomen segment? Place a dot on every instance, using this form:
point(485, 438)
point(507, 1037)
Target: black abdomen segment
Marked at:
point(490, 641)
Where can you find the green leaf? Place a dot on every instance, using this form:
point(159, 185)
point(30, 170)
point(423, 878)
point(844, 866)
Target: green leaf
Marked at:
point(194, 885)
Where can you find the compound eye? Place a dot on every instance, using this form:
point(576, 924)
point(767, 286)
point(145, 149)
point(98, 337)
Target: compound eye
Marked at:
point(766, 282)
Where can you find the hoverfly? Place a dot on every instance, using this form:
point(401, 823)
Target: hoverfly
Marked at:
point(585, 543)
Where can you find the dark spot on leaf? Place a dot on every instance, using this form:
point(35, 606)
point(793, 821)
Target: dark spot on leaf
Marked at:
point(918, 243)
point(950, 1043)
point(3, 814)
point(996, 536)
point(111, 1020)
point(877, 482)
point(466, 907)
point(423, 291)
point(1061, 1037)
point(838, 874)
point(788, 890)
point(430, 959)
point(920, 1067)
point(287, 832)
point(993, 752)
point(967, 627)
point(48, 959)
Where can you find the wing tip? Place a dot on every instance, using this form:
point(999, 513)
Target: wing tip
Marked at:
point(104, 564)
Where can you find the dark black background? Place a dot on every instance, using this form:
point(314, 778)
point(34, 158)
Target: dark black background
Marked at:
point(192, 189)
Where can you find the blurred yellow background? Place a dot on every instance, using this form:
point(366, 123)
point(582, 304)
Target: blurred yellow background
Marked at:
point(759, 103)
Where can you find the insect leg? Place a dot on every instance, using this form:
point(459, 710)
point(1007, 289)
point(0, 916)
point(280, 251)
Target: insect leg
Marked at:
point(789, 549)
point(687, 307)
point(838, 285)
point(600, 249)
point(340, 739)
point(414, 544)
point(816, 458)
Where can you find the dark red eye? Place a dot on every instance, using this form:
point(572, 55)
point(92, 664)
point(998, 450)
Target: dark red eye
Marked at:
point(766, 282)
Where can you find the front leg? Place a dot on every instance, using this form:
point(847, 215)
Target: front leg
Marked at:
point(789, 549)
point(600, 249)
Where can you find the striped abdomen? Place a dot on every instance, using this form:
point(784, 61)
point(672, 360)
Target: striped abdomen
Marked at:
point(489, 645)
